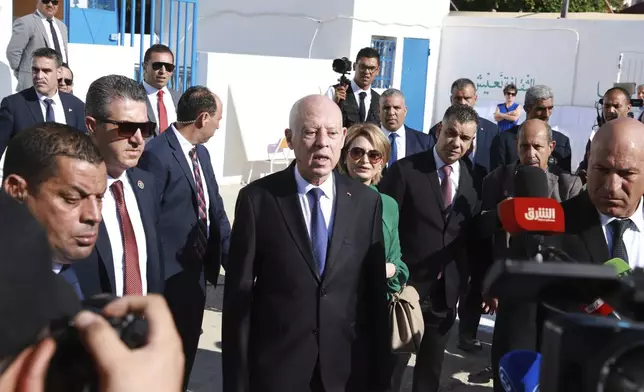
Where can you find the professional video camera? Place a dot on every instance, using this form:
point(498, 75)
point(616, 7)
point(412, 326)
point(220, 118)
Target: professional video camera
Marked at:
point(580, 352)
point(71, 368)
point(342, 66)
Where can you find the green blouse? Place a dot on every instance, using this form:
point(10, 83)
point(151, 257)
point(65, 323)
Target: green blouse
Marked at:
point(392, 242)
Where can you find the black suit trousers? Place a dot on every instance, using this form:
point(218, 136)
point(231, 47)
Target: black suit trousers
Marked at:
point(469, 312)
point(439, 319)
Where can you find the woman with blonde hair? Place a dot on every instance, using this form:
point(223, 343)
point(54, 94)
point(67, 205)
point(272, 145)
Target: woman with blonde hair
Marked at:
point(366, 151)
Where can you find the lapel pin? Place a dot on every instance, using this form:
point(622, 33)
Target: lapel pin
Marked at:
point(69, 109)
point(348, 194)
point(140, 184)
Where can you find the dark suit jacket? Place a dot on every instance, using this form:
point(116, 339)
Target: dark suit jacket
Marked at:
point(175, 98)
point(350, 109)
point(416, 141)
point(96, 273)
point(484, 136)
point(504, 150)
point(22, 110)
point(178, 218)
point(281, 317)
point(430, 241)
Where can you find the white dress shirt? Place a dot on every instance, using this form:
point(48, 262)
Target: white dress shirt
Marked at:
point(633, 237)
point(401, 140)
point(356, 93)
point(167, 101)
point(113, 225)
point(186, 146)
point(454, 177)
point(56, 267)
point(59, 110)
point(50, 39)
point(326, 201)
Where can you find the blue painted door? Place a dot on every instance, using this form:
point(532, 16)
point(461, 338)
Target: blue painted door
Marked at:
point(414, 80)
point(93, 23)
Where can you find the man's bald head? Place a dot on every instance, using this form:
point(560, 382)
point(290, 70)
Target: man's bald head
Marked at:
point(316, 136)
point(616, 167)
point(534, 143)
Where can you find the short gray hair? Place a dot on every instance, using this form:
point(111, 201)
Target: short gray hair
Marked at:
point(537, 93)
point(392, 92)
point(106, 89)
point(462, 114)
point(522, 126)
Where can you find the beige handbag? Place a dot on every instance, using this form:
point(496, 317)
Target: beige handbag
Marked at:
point(406, 321)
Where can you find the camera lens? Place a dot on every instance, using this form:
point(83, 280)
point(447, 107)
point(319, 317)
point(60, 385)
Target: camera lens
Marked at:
point(623, 371)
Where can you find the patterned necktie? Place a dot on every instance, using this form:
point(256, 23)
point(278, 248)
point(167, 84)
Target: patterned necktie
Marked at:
point(446, 186)
point(319, 231)
point(618, 227)
point(54, 36)
point(394, 148)
point(202, 233)
point(362, 111)
point(49, 110)
point(163, 113)
point(132, 272)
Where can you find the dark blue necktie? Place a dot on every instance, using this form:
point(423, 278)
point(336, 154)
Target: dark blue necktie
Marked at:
point(394, 148)
point(319, 231)
point(70, 277)
point(618, 228)
point(49, 117)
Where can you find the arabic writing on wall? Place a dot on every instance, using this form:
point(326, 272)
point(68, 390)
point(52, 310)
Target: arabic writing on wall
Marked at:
point(488, 82)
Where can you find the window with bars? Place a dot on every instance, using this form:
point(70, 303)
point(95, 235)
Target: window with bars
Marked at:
point(386, 47)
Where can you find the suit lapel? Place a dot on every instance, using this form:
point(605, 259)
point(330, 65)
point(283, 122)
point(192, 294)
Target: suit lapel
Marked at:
point(69, 114)
point(104, 248)
point(34, 106)
point(432, 172)
point(552, 186)
point(290, 206)
point(410, 143)
point(207, 175)
point(592, 233)
point(464, 182)
point(180, 157)
point(345, 208)
point(41, 28)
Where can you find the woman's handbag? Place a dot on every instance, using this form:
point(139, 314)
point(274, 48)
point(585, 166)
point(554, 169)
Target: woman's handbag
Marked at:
point(406, 321)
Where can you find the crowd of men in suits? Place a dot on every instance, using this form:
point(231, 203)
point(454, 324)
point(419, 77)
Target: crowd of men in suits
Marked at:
point(126, 194)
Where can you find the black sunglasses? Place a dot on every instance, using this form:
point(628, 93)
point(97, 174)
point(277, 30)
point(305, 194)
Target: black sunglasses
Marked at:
point(54, 2)
point(68, 82)
point(127, 129)
point(157, 66)
point(511, 94)
point(357, 153)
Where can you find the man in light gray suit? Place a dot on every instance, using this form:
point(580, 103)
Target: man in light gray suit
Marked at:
point(158, 68)
point(534, 145)
point(34, 31)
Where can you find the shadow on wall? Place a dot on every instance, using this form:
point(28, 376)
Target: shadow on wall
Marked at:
point(234, 164)
point(6, 80)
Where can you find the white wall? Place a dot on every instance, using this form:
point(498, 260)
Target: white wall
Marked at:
point(288, 28)
point(256, 107)
point(577, 58)
point(7, 81)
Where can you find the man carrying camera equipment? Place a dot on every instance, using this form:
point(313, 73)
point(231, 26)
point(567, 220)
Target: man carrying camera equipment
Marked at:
point(616, 103)
point(59, 175)
point(357, 100)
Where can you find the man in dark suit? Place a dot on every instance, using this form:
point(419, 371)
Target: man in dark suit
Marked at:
point(357, 100)
point(463, 92)
point(42, 102)
point(158, 68)
point(305, 294)
point(60, 175)
point(404, 140)
point(193, 226)
point(437, 200)
point(603, 222)
point(126, 260)
point(538, 104)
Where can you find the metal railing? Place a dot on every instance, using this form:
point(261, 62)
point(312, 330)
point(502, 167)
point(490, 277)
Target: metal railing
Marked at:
point(171, 15)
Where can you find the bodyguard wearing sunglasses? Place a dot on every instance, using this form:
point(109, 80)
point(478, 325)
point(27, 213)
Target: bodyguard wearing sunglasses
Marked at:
point(38, 30)
point(126, 259)
point(158, 67)
point(66, 79)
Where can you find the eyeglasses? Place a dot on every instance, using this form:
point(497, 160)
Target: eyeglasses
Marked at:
point(65, 82)
point(53, 2)
point(127, 129)
point(512, 94)
point(157, 66)
point(374, 156)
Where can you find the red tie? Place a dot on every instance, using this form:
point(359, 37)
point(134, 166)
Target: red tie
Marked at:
point(132, 272)
point(163, 113)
